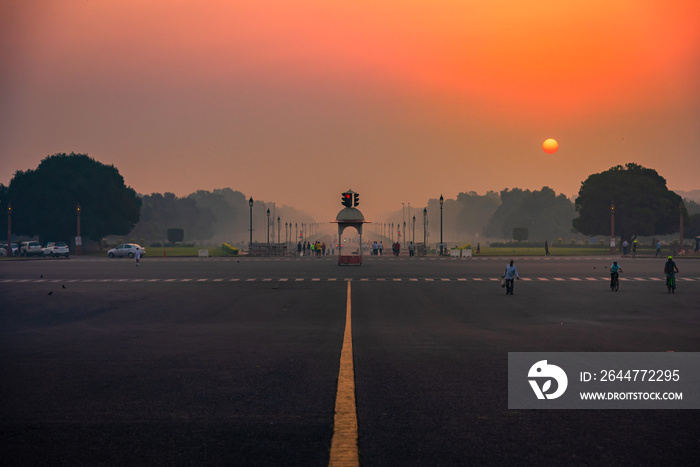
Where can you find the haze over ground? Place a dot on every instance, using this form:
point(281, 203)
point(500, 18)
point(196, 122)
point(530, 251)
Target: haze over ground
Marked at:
point(400, 101)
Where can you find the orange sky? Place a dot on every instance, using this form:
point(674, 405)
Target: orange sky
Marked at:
point(295, 102)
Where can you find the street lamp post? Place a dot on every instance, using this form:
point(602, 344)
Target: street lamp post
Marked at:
point(268, 227)
point(612, 228)
point(425, 230)
point(681, 208)
point(78, 239)
point(413, 237)
point(403, 219)
point(442, 201)
point(9, 229)
point(278, 230)
point(250, 203)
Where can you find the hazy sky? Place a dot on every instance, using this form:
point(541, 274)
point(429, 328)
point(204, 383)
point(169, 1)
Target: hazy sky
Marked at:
point(400, 100)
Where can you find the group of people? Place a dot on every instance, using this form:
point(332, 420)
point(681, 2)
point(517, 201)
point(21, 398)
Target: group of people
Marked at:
point(377, 248)
point(511, 274)
point(311, 249)
point(626, 248)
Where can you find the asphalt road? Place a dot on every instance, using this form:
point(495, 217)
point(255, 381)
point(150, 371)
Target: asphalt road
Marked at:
point(235, 362)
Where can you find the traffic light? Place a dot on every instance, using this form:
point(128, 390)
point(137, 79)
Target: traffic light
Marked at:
point(356, 201)
point(347, 200)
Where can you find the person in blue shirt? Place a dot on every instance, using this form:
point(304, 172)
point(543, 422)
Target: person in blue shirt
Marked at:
point(511, 274)
point(615, 271)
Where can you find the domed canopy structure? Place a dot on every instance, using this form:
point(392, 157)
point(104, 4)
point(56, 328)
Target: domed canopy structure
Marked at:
point(350, 215)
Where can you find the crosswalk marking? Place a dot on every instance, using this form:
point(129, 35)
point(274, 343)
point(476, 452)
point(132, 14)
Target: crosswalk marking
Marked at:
point(334, 279)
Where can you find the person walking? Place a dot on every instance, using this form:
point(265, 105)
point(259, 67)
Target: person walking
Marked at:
point(546, 248)
point(137, 255)
point(411, 250)
point(510, 275)
point(299, 248)
point(625, 246)
point(658, 249)
point(323, 249)
point(381, 248)
point(634, 248)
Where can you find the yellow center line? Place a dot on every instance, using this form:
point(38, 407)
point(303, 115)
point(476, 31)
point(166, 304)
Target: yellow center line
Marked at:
point(344, 450)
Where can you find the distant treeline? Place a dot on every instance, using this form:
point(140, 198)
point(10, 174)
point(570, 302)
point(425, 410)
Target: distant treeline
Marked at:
point(494, 215)
point(221, 215)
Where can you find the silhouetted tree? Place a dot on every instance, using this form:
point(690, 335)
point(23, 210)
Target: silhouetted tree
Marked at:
point(161, 212)
point(544, 213)
point(643, 204)
point(475, 211)
point(44, 200)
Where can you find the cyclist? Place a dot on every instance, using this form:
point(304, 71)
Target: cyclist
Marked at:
point(670, 269)
point(615, 271)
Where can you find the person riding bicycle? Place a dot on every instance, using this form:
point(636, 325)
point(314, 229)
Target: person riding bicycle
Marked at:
point(670, 268)
point(615, 271)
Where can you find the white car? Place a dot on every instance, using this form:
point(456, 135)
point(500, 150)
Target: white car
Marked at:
point(126, 249)
point(56, 249)
point(3, 249)
point(31, 249)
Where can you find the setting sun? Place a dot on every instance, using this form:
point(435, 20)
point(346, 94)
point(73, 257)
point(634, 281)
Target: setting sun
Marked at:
point(550, 146)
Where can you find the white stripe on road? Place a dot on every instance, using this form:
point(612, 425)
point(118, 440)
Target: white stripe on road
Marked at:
point(333, 279)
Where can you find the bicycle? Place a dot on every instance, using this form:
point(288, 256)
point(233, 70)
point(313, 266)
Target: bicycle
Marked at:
point(615, 281)
point(671, 283)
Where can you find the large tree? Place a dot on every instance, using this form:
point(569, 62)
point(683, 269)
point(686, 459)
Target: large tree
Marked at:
point(44, 200)
point(643, 204)
point(162, 212)
point(545, 214)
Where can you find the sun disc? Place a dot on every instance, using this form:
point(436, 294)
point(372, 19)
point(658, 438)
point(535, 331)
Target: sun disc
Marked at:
point(550, 146)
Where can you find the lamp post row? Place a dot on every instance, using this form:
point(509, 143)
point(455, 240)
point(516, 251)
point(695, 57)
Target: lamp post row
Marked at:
point(288, 227)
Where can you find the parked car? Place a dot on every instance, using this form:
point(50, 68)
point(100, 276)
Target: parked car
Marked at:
point(126, 249)
point(3, 249)
point(31, 249)
point(56, 249)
